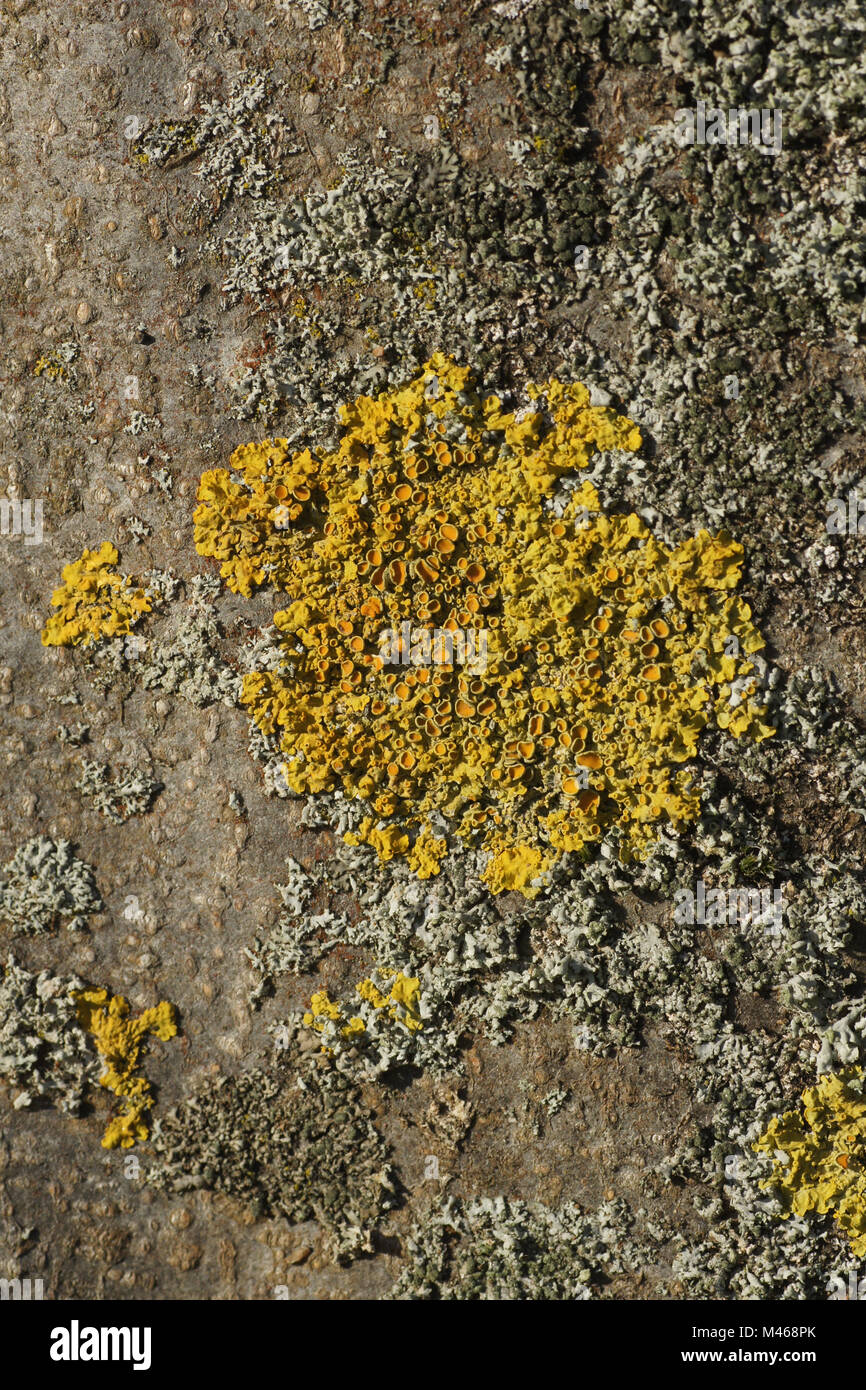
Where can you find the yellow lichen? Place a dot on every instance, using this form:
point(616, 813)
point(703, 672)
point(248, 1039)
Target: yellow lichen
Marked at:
point(50, 366)
point(824, 1147)
point(387, 993)
point(426, 854)
point(402, 1000)
point(515, 867)
point(121, 1041)
point(604, 651)
point(94, 601)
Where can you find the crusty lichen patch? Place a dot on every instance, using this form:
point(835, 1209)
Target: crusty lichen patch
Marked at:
point(581, 659)
point(823, 1148)
point(300, 1145)
point(121, 1041)
point(94, 601)
point(48, 1024)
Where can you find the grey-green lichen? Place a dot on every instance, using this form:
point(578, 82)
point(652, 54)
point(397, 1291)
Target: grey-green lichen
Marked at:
point(129, 792)
point(179, 651)
point(494, 1248)
point(389, 1020)
point(576, 948)
point(185, 659)
point(44, 886)
point(44, 1052)
point(233, 137)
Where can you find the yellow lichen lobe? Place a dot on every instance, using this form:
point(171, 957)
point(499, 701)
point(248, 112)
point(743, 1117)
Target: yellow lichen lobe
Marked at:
point(94, 601)
point(514, 868)
point(824, 1147)
point(121, 1041)
point(388, 993)
point(426, 854)
point(51, 367)
point(401, 1001)
point(455, 650)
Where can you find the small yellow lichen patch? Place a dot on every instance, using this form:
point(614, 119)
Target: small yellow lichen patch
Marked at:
point(387, 840)
point(121, 1042)
point(455, 649)
point(51, 367)
point(426, 854)
point(824, 1168)
point(387, 995)
point(401, 1001)
point(94, 601)
point(514, 869)
point(322, 1009)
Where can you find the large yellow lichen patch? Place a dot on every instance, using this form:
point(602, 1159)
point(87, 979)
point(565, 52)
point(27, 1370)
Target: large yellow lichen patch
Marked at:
point(94, 601)
point(823, 1168)
point(121, 1041)
point(460, 655)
